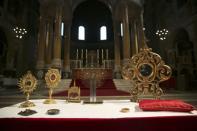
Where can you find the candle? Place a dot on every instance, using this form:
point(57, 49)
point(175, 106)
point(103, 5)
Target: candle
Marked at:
point(86, 54)
point(77, 57)
point(86, 57)
point(102, 54)
point(107, 54)
point(82, 54)
point(97, 54)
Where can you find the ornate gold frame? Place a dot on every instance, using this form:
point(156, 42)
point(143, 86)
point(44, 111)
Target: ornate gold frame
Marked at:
point(146, 70)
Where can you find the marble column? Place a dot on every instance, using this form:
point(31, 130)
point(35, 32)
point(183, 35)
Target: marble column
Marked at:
point(133, 35)
point(126, 36)
point(116, 46)
point(140, 32)
point(136, 46)
point(195, 39)
point(49, 42)
point(41, 43)
point(57, 38)
point(66, 64)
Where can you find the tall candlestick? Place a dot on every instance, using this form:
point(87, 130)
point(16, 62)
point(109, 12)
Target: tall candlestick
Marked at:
point(107, 57)
point(82, 54)
point(97, 57)
point(86, 53)
point(97, 54)
point(86, 57)
point(102, 54)
point(77, 57)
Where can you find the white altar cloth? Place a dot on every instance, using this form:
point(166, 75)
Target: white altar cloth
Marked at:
point(109, 109)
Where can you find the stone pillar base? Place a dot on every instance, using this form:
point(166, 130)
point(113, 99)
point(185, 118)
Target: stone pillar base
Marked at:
point(40, 65)
point(48, 66)
point(117, 72)
point(66, 72)
point(57, 63)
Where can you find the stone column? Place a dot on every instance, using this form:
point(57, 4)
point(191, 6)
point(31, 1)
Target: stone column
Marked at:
point(116, 47)
point(57, 38)
point(195, 39)
point(49, 42)
point(66, 65)
point(41, 42)
point(132, 34)
point(135, 45)
point(139, 28)
point(126, 35)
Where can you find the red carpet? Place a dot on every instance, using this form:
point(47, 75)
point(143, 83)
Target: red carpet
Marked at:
point(105, 88)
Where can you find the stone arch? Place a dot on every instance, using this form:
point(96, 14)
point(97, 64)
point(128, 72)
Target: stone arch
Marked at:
point(92, 21)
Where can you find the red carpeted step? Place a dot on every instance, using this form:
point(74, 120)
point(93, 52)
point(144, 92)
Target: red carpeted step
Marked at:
point(105, 83)
point(99, 92)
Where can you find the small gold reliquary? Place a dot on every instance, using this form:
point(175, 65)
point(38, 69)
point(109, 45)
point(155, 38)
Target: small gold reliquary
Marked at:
point(74, 93)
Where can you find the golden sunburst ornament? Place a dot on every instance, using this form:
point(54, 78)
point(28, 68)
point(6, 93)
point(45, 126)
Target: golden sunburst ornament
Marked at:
point(52, 78)
point(27, 84)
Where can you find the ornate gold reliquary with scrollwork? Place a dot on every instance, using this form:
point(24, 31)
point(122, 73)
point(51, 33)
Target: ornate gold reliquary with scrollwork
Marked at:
point(146, 70)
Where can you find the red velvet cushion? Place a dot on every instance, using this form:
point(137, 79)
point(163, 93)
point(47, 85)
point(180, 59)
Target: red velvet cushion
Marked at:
point(165, 105)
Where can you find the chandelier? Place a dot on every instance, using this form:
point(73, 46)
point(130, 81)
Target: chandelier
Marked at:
point(19, 32)
point(162, 34)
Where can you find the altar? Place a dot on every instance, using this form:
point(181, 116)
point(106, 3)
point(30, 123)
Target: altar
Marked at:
point(79, 73)
point(106, 116)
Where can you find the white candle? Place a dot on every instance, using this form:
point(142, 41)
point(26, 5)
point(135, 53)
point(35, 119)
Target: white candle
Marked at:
point(86, 57)
point(77, 57)
point(102, 54)
point(82, 54)
point(97, 54)
point(107, 57)
point(86, 54)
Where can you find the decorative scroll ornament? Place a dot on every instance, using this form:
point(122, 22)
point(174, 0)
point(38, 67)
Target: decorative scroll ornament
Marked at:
point(146, 70)
point(52, 78)
point(74, 93)
point(27, 84)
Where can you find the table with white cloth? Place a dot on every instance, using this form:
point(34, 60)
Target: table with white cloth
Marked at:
point(106, 116)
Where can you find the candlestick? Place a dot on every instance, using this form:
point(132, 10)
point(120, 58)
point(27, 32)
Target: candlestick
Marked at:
point(97, 57)
point(86, 57)
point(97, 54)
point(107, 57)
point(77, 57)
point(102, 54)
point(82, 54)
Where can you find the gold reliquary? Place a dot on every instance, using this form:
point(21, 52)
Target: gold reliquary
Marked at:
point(74, 93)
point(146, 70)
